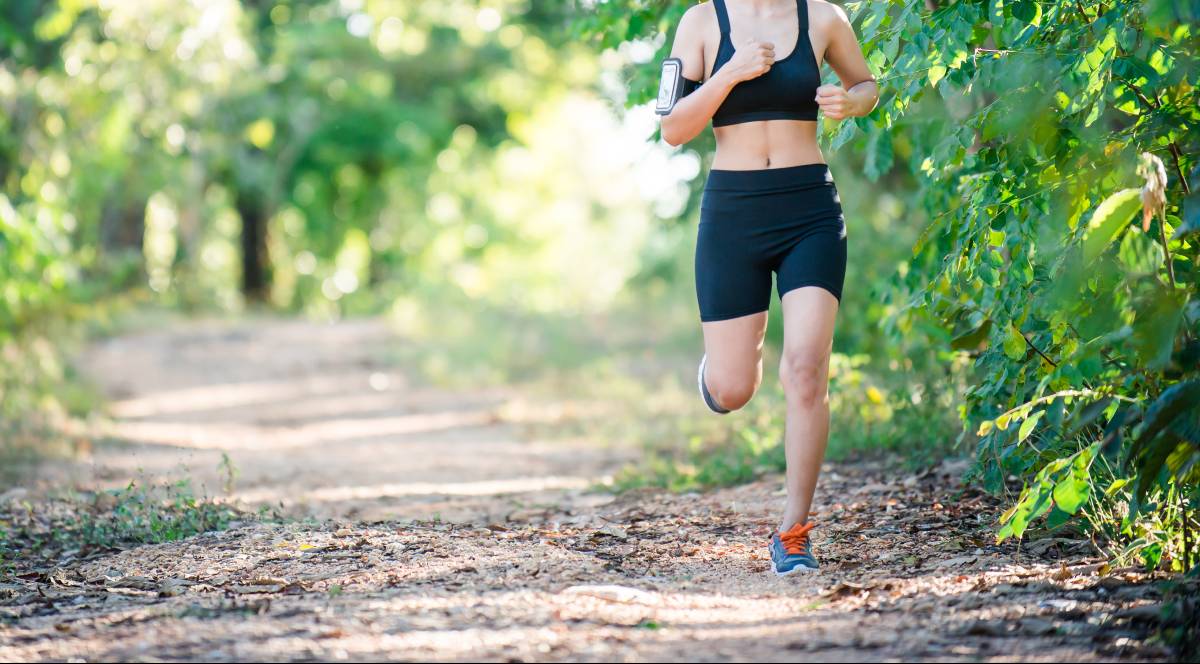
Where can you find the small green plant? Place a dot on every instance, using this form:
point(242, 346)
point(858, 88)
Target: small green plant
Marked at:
point(149, 516)
point(229, 473)
point(110, 519)
point(704, 464)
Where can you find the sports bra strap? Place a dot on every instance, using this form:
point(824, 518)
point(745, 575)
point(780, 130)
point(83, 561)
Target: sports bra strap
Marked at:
point(802, 14)
point(723, 16)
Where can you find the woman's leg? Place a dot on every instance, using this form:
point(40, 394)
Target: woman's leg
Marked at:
point(733, 370)
point(809, 314)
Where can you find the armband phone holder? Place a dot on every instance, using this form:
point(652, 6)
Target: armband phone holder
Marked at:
point(670, 87)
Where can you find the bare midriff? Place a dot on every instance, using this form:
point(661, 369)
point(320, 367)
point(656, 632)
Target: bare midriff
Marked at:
point(766, 144)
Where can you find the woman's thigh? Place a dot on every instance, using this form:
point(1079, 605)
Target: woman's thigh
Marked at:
point(734, 349)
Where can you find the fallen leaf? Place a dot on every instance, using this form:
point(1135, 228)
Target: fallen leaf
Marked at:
point(959, 561)
point(613, 530)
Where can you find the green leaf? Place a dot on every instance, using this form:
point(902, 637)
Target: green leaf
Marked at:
point(1057, 518)
point(879, 154)
point(1116, 486)
point(1089, 414)
point(842, 135)
point(1174, 401)
point(1109, 219)
point(970, 340)
point(1014, 343)
point(1003, 421)
point(1154, 328)
point(1072, 491)
point(1008, 514)
point(1150, 463)
point(936, 73)
point(1028, 425)
point(1139, 254)
point(1191, 216)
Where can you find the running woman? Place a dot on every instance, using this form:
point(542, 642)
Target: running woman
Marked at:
point(769, 206)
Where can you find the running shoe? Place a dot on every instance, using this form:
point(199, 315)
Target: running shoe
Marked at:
point(708, 398)
point(791, 551)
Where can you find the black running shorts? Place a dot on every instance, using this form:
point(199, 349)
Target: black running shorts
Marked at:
point(752, 223)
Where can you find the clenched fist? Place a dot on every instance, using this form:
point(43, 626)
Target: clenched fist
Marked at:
point(751, 60)
point(834, 102)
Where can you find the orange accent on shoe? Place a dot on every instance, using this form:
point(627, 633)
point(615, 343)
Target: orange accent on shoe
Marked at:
point(796, 537)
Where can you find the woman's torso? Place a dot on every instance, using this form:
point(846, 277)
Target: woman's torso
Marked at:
point(766, 143)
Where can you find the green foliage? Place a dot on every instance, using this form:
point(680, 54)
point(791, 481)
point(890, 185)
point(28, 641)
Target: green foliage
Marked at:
point(317, 156)
point(1045, 111)
point(705, 463)
point(1015, 121)
point(138, 516)
point(870, 413)
point(117, 518)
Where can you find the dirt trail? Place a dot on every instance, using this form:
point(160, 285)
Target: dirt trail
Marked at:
point(531, 567)
point(313, 419)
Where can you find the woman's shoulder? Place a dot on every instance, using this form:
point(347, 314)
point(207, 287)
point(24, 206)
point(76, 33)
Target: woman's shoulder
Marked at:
point(823, 14)
point(698, 20)
point(699, 14)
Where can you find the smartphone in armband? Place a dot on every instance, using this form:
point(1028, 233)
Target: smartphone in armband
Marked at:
point(670, 86)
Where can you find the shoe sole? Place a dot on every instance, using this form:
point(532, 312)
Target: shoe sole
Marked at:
point(797, 568)
point(700, 386)
point(800, 568)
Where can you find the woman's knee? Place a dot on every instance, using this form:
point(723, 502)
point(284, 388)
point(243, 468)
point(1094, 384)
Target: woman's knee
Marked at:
point(732, 390)
point(804, 376)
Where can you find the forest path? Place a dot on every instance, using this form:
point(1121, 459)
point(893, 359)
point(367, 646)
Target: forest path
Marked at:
point(315, 420)
point(524, 564)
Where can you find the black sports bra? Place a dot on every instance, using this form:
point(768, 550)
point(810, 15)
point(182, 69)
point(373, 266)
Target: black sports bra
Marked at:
point(787, 91)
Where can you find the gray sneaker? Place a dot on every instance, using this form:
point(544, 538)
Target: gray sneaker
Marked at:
point(708, 398)
point(791, 552)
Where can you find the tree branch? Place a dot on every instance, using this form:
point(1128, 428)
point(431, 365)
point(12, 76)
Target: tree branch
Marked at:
point(1038, 351)
point(1175, 154)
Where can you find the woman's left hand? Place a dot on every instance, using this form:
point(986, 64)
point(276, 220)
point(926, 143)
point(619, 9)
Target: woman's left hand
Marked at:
point(835, 103)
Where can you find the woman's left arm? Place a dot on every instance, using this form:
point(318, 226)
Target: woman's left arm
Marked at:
point(860, 92)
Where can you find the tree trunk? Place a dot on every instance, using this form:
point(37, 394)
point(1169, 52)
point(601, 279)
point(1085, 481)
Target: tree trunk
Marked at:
point(123, 225)
point(255, 277)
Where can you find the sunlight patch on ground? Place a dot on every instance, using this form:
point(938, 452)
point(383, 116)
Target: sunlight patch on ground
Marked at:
point(226, 394)
point(259, 438)
point(479, 488)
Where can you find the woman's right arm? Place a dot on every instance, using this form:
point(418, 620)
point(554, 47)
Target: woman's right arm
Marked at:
point(691, 114)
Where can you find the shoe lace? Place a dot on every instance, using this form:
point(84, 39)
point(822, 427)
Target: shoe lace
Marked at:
point(796, 537)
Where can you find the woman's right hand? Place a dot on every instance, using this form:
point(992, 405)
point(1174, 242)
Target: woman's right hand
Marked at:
point(750, 60)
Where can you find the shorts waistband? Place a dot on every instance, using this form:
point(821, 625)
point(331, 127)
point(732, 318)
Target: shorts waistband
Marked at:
point(769, 178)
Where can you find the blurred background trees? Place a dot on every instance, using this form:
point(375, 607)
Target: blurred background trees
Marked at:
point(485, 172)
